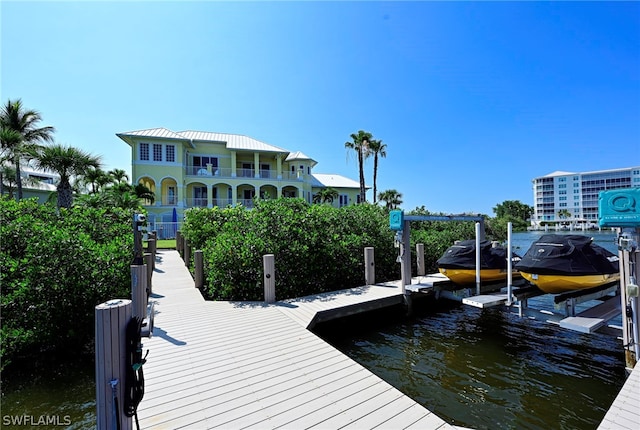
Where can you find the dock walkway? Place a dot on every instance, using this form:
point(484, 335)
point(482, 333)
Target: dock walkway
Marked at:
point(251, 365)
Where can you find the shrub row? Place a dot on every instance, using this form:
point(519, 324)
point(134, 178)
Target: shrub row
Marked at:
point(317, 248)
point(56, 267)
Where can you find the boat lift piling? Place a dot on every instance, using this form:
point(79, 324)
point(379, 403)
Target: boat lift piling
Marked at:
point(401, 224)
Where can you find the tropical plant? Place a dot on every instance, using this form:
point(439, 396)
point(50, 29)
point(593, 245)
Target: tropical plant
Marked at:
point(563, 214)
point(360, 144)
point(325, 195)
point(119, 175)
point(379, 150)
point(392, 198)
point(67, 162)
point(23, 123)
point(96, 178)
point(514, 208)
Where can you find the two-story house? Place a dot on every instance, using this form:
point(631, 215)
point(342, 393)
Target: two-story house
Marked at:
point(193, 168)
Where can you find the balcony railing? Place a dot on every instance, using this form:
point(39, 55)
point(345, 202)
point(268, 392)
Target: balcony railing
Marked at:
point(225, 172)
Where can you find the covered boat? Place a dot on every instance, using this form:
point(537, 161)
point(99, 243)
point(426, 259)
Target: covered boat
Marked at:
point(556, 263)
point(458, 262)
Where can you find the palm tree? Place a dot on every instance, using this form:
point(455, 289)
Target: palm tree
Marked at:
point(392, 198)
point(95, 178)
point(325, 195)
point(378, 149)
point(13, 116)
point(119, 175)
point(66, 161)
point(360, 143)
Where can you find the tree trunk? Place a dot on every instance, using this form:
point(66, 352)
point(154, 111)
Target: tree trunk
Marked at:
point(65, 194)
point(18, 178)
point(361, 163)
point(375, 176)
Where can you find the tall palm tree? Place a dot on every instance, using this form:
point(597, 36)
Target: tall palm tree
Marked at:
point(8, 139)
point(66, 161)
point(392, 198)
point(24, 122)
point(378, 149)
point(360, 143)
point(326, 195)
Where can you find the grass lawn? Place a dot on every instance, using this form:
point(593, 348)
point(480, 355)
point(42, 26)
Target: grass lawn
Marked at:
point(164, 244)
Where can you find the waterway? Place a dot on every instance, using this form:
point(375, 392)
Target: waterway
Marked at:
point(483, 369)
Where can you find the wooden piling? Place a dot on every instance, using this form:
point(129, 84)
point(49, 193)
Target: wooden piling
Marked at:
point(198, 262)
point(152, 248)
point(187, 253)
point(111, 319)
point(139, 291)
point(148, 262)
point(268, 261)
point(422, 270)
point(369, 266)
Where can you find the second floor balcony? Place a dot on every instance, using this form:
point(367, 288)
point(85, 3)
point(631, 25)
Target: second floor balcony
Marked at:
point(226, 172)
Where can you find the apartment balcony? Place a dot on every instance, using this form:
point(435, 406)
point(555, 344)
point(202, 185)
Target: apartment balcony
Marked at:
point(203, 202)
point(226, 173)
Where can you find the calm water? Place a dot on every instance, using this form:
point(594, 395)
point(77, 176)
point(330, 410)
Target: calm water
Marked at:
point(482, 369)
point(487, 369)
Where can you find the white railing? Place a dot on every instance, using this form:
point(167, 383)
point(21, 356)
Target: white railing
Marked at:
point(165, 230)
point(225, 172)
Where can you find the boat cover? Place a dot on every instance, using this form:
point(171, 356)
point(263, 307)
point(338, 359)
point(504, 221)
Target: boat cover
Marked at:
point(567, 254)
point(462, 255)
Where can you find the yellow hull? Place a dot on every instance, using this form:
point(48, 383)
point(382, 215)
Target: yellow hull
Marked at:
point(468, 276)
point(555, 284)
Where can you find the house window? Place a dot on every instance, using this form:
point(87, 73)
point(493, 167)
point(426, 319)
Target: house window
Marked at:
point(157, 152)
point(200, 164)
point(171, 195)
point(247, 170)
point(144, 151)
point(343, 200)
point(170, 153)
point(264, 171)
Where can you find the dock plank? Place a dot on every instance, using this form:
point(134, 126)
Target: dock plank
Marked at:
point(237, 365)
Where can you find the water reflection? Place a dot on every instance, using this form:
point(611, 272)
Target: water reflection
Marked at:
point(488, 369)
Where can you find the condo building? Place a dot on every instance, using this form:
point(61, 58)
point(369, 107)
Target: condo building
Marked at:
point(571, 198)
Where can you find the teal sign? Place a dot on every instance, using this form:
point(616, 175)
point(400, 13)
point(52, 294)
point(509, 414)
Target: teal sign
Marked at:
point(396, 220)
point(619, 208)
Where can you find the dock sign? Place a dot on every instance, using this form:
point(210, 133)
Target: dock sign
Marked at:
point(619, 208)
point(396, 220)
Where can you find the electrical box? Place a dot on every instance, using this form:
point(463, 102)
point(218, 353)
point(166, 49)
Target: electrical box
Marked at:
point(619, 208)
point(396, 220)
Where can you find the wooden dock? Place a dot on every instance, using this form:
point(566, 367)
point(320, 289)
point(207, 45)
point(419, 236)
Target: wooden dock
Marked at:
point(624, 413)
point(251, 365)
point(239, 365)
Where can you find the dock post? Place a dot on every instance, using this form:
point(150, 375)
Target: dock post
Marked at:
point(179, 242)
point(139, 291)
point(148, 262)
point(111, 319)
point(405, 253)
point(420, 259)
point(478, 259)
point(509, 265)
point(369, 266)
point(198, 268)
point(152, 248)
point(268, 261)
point(187, 253)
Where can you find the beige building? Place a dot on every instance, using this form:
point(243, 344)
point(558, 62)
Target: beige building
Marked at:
point(203, 169)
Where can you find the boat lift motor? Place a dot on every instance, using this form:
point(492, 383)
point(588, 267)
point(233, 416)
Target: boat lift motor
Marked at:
point(620, 209)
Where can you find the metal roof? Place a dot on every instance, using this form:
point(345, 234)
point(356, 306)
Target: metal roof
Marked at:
point(233, 141)
point(298, 155)
point(153, 132)
point(333, 181)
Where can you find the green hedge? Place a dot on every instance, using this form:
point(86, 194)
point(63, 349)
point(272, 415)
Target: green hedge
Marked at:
point(56, 267)
point(317, 248)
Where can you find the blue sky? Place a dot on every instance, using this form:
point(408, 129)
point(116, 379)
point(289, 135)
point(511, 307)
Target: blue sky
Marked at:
point(473, 99)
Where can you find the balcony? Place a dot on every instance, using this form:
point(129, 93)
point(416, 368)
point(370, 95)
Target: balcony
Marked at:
point(225, 172)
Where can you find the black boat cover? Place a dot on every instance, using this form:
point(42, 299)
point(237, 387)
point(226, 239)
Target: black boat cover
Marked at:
point(462, 255)
point(567, 254)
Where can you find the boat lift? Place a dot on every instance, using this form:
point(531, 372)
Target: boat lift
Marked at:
point(618, 209)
